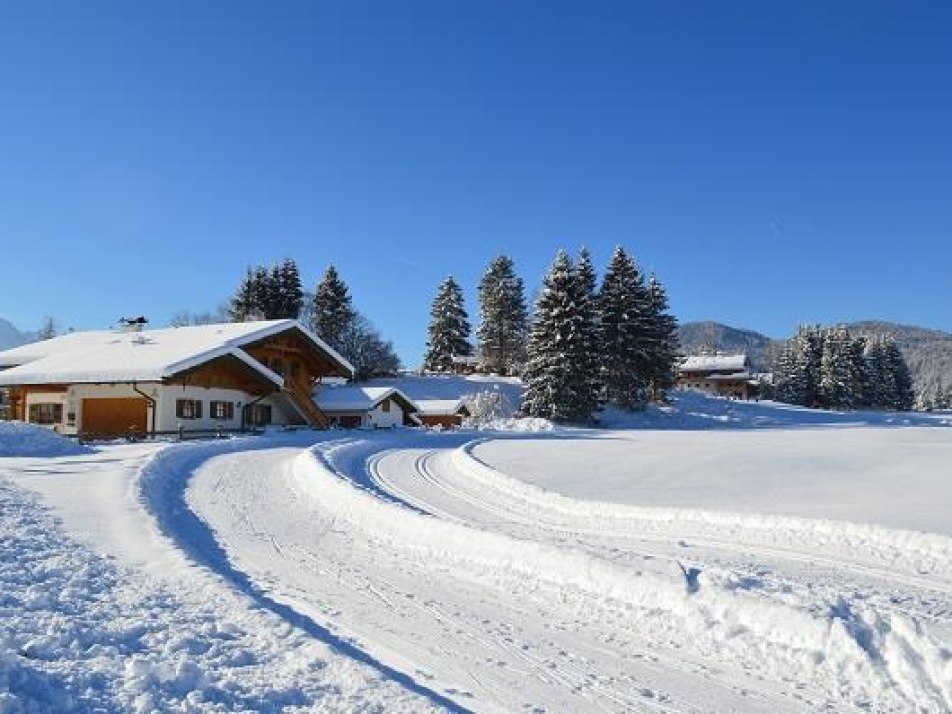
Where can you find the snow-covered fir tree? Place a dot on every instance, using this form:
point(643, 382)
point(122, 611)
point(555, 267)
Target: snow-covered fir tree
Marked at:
point(244, 305)
point(860, 377)
point(830, 369)
point(288, 293)
point(589, 357)
point(556, 386)
point(448, 332)
point(663, 346)
point(836, 372)
point(267, 294)
point(504, 319)
point(798, 378)
point(333, 313)
point(905, 397)
point(624, 310)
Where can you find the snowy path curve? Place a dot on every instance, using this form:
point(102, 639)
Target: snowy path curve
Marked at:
point(393, 543)
point(865, 562)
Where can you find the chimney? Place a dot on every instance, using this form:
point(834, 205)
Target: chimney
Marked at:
point(132, 324)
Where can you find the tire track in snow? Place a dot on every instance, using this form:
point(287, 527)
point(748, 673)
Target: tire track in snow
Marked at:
point(406, 486)
point(163, 483)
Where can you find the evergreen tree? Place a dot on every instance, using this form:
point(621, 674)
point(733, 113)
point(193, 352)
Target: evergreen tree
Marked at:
point(624, 309)
point(289, 295)
point(333, 312)
point(242, 305)
point(503, 318)
point(882, 386)
point(589, 353)
point(860, 378)
point(664, 349)
point(798, 378)
point(556, 387)
point(901, 379)
point(261, 293)
point(836, 374)
point(448, 332)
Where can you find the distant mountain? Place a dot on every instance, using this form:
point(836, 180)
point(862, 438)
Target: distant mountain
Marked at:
point(12, 337)
point(698, 337)
point(927, 352)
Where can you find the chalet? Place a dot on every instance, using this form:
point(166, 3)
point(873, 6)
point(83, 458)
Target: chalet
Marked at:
point(182, 379)
point(445, 413)
point(720, 375)
point(369, 407)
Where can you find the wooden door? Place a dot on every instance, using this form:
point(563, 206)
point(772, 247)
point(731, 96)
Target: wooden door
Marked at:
point(114, 417)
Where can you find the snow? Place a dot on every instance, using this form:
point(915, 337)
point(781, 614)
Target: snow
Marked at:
point(151, 355)
point(714, 363)
point(710, 556)
point(356, 398)
point(894, 477)
point(21, 439)
point(451, 386)
point(81, 631)
point(439, 407)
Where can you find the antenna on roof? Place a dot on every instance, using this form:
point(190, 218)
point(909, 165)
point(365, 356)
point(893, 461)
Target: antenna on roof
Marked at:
point(132, 324)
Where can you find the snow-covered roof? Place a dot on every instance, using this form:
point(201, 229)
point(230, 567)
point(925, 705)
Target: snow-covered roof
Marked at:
point(353, 398)
point(151, 355)
point(714, 363)
point(732, 377)
point(440, 407)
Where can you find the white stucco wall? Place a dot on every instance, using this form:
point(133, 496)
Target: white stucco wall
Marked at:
point(165, 397)
point(377, 417)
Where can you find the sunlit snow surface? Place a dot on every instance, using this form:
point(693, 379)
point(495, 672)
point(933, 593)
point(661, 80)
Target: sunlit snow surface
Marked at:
point(713, 556)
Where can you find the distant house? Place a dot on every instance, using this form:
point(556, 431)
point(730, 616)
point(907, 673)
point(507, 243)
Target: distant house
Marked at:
point(465, 364)
point(721, 375)
point(370, 407)
point(206, 377)
point(445, 413)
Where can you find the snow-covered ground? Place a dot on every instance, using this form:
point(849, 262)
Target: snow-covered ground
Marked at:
point(718, 557)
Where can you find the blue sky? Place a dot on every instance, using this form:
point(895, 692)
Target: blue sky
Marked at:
point(775, 163)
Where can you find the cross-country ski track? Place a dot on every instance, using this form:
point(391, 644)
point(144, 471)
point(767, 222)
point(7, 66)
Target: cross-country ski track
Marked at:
point(501, 596)
point(474, 590)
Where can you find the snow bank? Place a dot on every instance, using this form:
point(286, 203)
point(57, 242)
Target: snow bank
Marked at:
point(913, 552)
point(21, 439)
point(857, 653)
point(79, 633)
point(524, 425)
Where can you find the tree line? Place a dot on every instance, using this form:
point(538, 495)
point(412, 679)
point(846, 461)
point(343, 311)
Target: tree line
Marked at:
point(828, 368)
point(583, 347)
point(275, 292)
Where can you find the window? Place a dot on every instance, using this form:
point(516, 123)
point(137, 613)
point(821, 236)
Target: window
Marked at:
point(259, 414)
point(221, 410)
point(46, 413)
point(188, 408)
point(385, 405)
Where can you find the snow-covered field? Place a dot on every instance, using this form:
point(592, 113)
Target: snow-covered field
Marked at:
point(713, 557)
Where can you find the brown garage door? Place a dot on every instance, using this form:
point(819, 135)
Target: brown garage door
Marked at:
point(114, 417)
